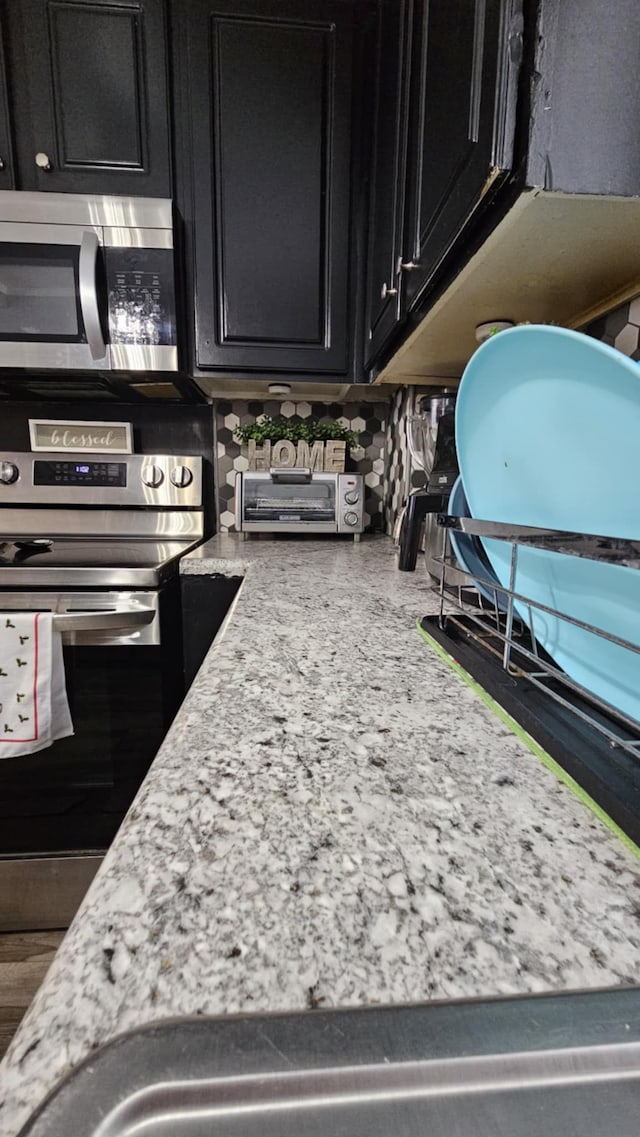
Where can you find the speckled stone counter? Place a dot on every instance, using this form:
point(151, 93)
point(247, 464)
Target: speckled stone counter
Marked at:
point(333, 819)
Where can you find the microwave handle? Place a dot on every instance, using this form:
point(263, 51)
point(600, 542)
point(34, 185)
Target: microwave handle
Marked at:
point(87, 272)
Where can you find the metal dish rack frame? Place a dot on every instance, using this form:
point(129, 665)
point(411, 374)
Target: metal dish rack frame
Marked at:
point(506, 627)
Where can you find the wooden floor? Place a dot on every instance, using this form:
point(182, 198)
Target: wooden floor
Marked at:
point(24, 961)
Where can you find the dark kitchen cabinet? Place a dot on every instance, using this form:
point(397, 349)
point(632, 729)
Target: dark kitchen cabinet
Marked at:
point(447, 75)
point(522, 175)
point(6, 149)
point(463, 119)
point(90, 95)
point(268, 109)
point(388, 171)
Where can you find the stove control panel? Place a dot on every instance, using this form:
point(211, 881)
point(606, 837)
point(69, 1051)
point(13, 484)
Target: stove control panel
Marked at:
point(79, 473)
point(133, 480)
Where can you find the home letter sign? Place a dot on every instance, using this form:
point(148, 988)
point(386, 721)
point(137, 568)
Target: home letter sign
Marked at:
point(311, 457)
point(328, 457)
point(284, 454)
point(259, 456)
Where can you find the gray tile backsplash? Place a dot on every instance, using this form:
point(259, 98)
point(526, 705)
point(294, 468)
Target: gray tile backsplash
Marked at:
point(368, 459)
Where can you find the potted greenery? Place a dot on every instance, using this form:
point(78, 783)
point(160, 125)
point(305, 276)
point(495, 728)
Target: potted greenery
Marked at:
point(290, 442)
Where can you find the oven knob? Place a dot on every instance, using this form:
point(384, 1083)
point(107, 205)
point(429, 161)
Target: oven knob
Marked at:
point(9, 473)
point(181, 476)
point(152, 476)
point(352, 497)
point(351, 518)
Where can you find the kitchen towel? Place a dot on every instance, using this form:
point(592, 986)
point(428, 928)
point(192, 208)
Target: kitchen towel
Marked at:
point(34, 709)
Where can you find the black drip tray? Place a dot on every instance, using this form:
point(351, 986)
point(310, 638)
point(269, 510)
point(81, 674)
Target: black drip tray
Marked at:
point(608, 774)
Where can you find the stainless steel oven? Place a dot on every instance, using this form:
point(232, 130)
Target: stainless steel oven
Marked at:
point(86, 281)
point(108, 571)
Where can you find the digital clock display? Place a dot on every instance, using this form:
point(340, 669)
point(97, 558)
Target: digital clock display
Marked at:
point(61, 473)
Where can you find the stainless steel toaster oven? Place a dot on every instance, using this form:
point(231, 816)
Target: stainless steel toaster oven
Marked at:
point(299, 500)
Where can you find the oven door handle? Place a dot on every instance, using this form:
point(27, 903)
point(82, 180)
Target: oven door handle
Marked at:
point(121, 620)
point(88, 288)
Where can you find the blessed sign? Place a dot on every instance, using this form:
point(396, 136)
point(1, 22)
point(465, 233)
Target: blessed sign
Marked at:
point(81, 437)
point(325, 457)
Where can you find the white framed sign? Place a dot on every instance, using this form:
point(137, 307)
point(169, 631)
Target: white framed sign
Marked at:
point(81, 437)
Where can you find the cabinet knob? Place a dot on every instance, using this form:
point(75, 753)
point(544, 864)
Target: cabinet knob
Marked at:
point(386, 291)
point(1, 163)
point(42, 161)
point(407, 266)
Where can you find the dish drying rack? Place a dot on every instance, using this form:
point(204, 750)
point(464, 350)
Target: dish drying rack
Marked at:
point(490, 641)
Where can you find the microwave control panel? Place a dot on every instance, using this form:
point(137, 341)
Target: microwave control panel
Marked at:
point(141, 296)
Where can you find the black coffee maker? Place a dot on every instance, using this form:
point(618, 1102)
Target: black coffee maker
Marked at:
point(431, 437)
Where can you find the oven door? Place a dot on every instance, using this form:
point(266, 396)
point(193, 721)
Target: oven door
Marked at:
point(53, 296)
point(61, 807)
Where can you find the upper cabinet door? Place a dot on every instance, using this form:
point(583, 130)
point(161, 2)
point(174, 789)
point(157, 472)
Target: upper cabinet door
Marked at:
point(466, 56)
point(6, 149)
point(388, 172)
point(270, 107)
point(96, 117)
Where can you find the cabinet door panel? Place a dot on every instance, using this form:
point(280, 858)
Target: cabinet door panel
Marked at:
point(97, 92)
point(465, 88)
point(270, 225)
point(386, 203)
point(271, 115)
point(6, 148)
point(97, 57)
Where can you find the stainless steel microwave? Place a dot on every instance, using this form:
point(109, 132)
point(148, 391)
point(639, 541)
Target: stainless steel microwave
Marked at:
point(283, 500)
point(86, 281)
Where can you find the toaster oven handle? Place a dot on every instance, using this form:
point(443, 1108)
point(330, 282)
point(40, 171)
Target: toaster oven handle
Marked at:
point(290, 475)
point(88, 287)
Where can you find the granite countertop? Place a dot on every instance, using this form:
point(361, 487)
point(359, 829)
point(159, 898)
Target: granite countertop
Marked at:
point(333, 819)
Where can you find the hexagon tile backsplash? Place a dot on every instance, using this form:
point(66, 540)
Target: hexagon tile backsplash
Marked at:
point(370, 419)
point(619, 328)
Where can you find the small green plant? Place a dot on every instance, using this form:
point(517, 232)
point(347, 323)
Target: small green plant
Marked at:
point(308, 430)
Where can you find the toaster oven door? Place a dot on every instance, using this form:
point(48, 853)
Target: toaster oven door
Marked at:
point(295, 503)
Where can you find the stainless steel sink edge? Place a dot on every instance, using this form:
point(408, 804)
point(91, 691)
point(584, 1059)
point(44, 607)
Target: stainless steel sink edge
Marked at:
point(223, 1098)
point(274, 1063)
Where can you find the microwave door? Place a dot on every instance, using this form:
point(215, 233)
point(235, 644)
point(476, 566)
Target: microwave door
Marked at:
point(51, 297)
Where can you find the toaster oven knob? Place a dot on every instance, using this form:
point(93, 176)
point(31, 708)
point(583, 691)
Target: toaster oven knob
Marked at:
point(181, 476)
point(152, 476)
point(352, 497)
point(9, 473)
point(351, 518)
